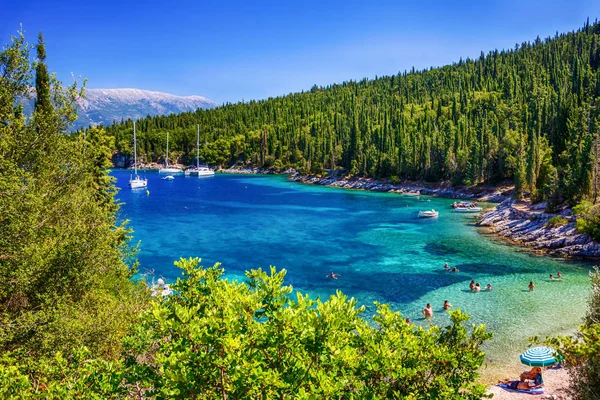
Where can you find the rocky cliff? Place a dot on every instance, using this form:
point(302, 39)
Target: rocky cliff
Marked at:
point(530, 228)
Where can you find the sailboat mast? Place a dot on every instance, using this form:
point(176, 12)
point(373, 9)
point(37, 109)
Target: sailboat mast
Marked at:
point(198, 148)
point(134, 151)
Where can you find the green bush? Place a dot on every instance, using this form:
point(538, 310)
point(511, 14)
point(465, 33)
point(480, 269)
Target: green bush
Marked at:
point(219, 338)
point(557, 221)
point(588, 220)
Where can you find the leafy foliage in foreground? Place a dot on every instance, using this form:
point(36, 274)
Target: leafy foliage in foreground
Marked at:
point(65, 281)
point(216, 338)
point(529, 114)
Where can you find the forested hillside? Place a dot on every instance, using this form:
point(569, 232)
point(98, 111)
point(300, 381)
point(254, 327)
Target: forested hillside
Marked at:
point(528, 114)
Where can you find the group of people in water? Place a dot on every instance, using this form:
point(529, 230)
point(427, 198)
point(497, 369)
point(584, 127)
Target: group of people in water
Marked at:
point(552, 278)
point(475, 287)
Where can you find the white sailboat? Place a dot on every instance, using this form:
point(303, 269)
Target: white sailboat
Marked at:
point(200, 170)
point(135, 181)
point(169, 169)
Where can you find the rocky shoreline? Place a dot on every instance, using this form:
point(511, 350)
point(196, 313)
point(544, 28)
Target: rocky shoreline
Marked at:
point(510, 221)
point(443, 189)
point(528, 227)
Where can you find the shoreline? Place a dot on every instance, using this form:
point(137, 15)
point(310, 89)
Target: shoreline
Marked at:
point(509, 222)
point(519, 224)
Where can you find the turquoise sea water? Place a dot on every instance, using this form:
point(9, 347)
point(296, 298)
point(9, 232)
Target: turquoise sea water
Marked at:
point(375, 241)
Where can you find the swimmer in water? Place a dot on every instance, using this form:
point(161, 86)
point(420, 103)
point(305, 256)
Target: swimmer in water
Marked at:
point(447, 305)
point(477, 287)
point(531, 286)
point(332, 275)
point(454, 269)
point(558, 275)
point(472, 285)
point(427, 311)
point(446, 266)
point(488, 287)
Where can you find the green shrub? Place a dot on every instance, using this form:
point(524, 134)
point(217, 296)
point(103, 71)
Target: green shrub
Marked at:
point(219, 338)
point(588, 220)
point(557, 221)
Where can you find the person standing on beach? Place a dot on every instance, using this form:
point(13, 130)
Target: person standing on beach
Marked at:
point(531, 286)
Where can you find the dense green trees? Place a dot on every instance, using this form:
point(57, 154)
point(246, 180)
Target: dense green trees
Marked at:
point(530, 114)
point(62, 251)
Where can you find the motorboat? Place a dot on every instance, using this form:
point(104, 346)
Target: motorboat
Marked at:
point(168, 178)
point(135, 182)
point(416, 193)
point(169, 169)
point(469, 209)
point(428, 214)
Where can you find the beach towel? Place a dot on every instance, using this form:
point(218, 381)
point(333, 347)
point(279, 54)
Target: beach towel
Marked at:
point(539, 390)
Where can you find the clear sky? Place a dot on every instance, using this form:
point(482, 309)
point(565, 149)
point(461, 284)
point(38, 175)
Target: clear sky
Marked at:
point(241, 50)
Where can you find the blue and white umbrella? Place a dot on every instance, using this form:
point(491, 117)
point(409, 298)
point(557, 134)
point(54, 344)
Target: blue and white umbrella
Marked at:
point(539, 357)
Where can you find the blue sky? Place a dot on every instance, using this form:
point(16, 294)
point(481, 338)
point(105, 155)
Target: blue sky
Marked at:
point(230, 50)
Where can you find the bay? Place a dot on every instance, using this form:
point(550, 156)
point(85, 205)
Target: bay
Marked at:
point(374, 241)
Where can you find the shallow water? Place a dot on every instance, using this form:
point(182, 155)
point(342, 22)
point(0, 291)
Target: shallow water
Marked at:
point(375, 241)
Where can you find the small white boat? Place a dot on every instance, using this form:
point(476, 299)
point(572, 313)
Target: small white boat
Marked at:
point(417, 193)
point(160, 289)
point(169, 169)
point(168, 178)
point(135, 182)
point(428, 214)
point(470, 209)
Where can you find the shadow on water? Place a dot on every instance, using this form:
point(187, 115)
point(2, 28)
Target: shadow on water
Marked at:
point(439, 249)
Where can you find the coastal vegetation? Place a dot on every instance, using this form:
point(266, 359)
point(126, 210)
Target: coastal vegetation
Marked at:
point(73, 324)
point(529, 115)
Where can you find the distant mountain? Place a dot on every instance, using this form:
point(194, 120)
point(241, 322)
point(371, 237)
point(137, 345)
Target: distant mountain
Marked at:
point(103, 106)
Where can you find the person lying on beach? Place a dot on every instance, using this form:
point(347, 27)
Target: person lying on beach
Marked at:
point(332, 275)
point(531, 286)
point(447, 305)
point(518, 385)
point(427, 311)
point(477, 287)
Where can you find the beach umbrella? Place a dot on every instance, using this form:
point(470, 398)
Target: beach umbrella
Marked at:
point(539, 357)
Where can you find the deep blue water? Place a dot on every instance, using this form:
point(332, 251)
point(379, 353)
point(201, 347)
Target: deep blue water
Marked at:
point(375, 241)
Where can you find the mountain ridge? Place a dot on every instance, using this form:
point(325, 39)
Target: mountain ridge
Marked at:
point(104, 106)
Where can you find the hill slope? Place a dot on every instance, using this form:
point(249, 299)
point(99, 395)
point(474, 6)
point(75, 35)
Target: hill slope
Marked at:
point(530, 114)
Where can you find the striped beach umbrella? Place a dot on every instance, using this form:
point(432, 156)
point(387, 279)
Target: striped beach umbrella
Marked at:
point(539, 357)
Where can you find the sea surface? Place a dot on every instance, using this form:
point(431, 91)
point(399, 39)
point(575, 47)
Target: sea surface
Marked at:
point(374, 241)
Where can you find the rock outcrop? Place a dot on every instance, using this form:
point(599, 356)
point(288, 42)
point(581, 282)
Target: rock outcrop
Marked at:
point(530, 228)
